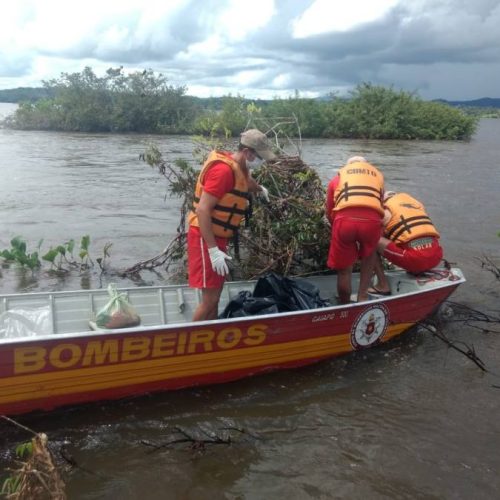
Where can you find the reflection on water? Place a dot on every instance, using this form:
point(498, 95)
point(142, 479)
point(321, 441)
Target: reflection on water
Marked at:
point(409, 420)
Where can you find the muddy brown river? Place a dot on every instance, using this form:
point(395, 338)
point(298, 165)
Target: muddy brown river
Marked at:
point(411, 419)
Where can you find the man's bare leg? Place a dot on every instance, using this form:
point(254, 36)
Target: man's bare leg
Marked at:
point(382, 283)
point(344, 286)
point(365, 275)
point(208, 307)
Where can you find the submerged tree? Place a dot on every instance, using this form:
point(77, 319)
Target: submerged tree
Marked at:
point(144, 101)
point(377, 112)
point(141, 101)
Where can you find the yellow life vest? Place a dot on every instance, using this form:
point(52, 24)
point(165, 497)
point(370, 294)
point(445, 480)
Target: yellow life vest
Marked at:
point(231, 208)
point(360, 185)
point(408, 221)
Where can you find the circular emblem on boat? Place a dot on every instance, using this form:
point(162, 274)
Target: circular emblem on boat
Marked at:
point(369, 326)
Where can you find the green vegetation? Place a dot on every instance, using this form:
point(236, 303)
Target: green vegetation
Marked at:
point(375, 112)
point(17, 253)
point(286, 234)
point(84, 102)
point(480, 112)
point(11, 485)
point(144, 102)
point(35, 474)
point(60, 257)
point(371, 112)
point(485, 107)
point(21, 94)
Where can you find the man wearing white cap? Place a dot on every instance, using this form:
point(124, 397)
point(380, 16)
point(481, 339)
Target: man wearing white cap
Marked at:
point(219, 205)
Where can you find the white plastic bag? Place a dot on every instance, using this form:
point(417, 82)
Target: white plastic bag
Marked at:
point(118, 312)
point(17, 323)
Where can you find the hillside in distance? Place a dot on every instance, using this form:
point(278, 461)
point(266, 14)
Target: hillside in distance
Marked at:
point(483, 102)
point(33, 94)
point(23, 94)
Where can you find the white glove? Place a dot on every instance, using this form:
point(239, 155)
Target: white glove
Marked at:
point(218, 259)
point(265, 193)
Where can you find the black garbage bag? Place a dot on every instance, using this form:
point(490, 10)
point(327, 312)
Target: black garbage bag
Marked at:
point(292, 294)
point(274, 293)
point(246, 305)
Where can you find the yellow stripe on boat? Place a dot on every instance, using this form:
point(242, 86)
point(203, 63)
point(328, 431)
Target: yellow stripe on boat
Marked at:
point(62, 382)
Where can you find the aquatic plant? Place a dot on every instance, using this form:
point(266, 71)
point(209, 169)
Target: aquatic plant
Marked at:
point(18, 254)
point(61, 257)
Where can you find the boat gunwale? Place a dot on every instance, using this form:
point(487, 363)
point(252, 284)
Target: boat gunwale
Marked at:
point(438, 284)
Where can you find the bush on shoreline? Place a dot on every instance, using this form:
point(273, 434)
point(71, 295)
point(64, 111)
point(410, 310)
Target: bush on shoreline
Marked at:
point(144, 102)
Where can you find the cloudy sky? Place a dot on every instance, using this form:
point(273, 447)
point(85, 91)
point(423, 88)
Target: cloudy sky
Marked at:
point(261, 48)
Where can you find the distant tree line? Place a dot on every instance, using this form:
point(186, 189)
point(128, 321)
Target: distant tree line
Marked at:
point(480, 111)
point(22, 94)
point(144, 102)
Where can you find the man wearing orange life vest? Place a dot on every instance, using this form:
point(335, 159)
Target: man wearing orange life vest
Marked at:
point(220, 203)
point(354, 206)
point(410, 239)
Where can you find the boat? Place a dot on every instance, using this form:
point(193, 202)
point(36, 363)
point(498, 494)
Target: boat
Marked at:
point(62, 361)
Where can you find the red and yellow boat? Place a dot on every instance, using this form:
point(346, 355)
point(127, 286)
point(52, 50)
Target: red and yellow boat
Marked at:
point(56, 359)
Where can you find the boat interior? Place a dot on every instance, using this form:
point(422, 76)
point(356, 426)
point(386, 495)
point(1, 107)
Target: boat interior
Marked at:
point(34, 314)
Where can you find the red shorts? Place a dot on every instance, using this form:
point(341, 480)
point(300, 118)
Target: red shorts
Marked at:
point(416, 256)
point(353, 238)
point(200, 272)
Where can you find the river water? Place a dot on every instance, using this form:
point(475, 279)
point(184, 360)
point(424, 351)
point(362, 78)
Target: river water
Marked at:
point(412, 419)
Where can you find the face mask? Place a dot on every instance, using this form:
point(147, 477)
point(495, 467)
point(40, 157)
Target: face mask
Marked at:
point(255, 163)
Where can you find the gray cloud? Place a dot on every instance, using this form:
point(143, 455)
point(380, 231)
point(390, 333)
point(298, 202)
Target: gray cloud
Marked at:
point(16, 66)
point(446, 48)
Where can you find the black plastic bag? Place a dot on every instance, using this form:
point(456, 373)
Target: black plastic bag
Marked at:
point(292, 294)
point(246, 305)
point(274, 293)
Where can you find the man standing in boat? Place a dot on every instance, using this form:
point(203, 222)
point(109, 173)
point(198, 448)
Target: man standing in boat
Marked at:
point(354, 207)
point(410, 239)
point(220, 203)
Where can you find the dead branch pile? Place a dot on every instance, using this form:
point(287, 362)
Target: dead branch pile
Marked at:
point(288, 235)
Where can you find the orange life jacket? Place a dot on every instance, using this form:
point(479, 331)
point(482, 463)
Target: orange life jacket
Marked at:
point(360, 185)
point(408, 221)
point(231, 208)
